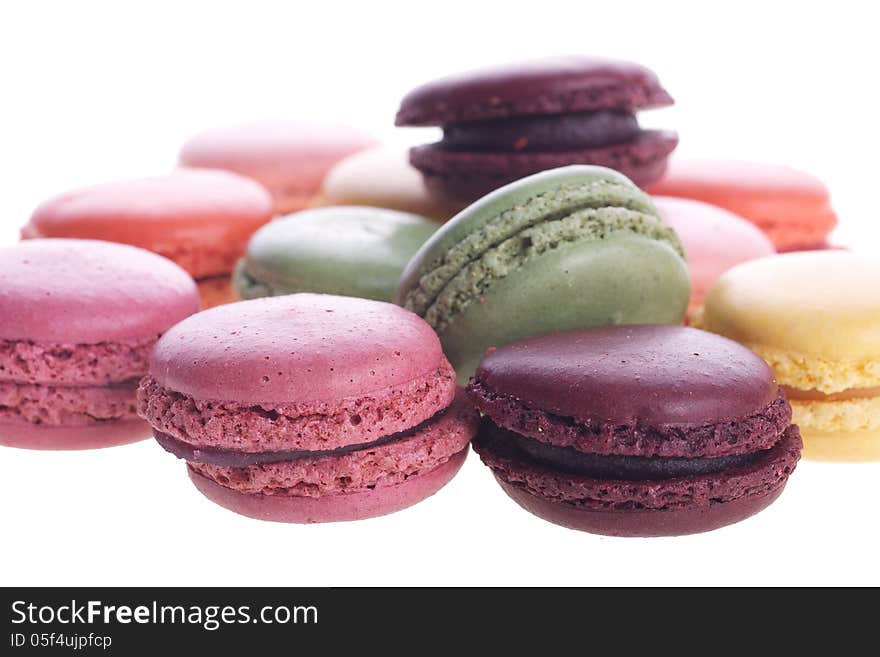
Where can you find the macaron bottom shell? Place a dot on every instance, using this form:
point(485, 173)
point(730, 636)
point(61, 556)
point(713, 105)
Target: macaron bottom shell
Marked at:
point(358, 505)
point(457, 176)
point(26, 435)
point(632, 280)
point(676, 506)
point(641, 523)
point(841, 446)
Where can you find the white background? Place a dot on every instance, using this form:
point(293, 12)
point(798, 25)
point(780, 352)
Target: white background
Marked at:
point(94, 91)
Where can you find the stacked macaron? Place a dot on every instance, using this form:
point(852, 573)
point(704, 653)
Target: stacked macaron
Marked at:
point(504, 123)
point(308, 408)
point(79, 320)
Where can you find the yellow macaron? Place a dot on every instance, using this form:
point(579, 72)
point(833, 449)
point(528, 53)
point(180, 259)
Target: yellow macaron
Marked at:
point(815, 318)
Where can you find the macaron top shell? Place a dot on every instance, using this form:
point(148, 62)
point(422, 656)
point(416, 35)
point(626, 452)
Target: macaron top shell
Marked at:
point(302, 348)
point(792, 207)
point(360, 249)
point(86, 292)
point(714, 239)
point(651, 375)
point(552, 85)
point(822, 303)
point(280, 154)
point(186, 209)
point(738, 178)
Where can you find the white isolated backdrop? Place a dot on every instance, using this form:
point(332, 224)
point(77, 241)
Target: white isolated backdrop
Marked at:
point(100, 90)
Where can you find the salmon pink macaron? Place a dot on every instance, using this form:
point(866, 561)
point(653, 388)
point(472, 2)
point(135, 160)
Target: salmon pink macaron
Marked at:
point(308, 408)
point(290, 158)
point(714, 240)
point(200, 219)
point(78, 319)
point(792, 207)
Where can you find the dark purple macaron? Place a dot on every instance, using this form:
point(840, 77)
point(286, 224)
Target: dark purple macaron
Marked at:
point(635, 430)
point(504, 123)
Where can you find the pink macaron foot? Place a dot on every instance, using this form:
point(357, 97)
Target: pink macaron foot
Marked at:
point(26, 435)
point(368, 503)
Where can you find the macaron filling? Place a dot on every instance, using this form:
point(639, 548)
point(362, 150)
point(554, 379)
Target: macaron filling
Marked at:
point(238, 459)
point(767, 472)
point(818, 396)
point(628, 468)
point(556, 132)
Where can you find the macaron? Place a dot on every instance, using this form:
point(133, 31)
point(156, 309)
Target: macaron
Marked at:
point(352, 251)
point(308, 408)
point(384, 178)
point(567, 248)
point(199, 218)
point(714, 240)
point(78, 319)
point(634, 430)
point(506, 122)
point(792, 207)
point(815, 318)
point(289, 158)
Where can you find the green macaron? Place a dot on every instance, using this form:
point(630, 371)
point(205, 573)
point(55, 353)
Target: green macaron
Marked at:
point(352, 251)
point(573, 247)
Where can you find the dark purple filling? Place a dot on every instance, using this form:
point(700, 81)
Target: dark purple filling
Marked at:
point(626, 468)
point(238, 459)
point(555, 132)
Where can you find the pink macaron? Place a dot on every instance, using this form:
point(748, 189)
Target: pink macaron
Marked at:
point(290, 158)
point(714, 240)
point(78, 319)
point(308, 408)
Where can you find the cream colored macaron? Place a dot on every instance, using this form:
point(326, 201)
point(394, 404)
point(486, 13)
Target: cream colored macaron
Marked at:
point(815, 318)
point(383, 178)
